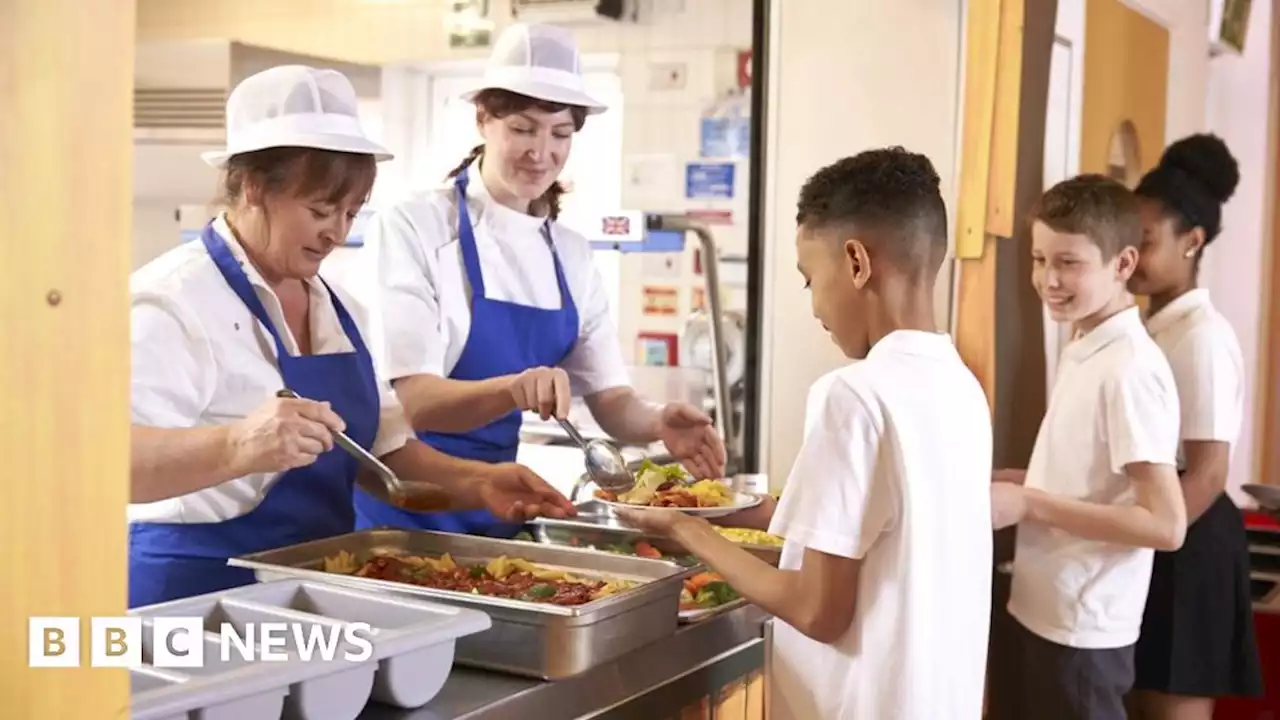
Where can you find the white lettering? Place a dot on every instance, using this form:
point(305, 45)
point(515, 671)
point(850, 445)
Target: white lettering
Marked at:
point(244, 644)
point(325, 636)
point(354, 633)
point(275, 639)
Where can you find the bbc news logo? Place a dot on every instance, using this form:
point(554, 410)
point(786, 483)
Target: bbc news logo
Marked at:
point(184, 642)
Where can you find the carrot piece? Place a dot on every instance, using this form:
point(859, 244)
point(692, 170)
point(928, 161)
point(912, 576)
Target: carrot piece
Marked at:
point(699, 581)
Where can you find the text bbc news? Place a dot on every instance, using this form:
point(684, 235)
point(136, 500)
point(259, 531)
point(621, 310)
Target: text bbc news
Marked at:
point(191, 642)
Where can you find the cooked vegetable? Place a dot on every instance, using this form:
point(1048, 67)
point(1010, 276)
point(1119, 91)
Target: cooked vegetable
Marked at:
point(706, 590)
point(716, 593)
point(750, 537)
point(645, 550)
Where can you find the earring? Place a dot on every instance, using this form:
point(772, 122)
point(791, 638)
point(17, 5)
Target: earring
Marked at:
point(1189, 254)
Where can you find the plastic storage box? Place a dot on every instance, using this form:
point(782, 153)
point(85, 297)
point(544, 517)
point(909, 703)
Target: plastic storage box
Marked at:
point(412, 652)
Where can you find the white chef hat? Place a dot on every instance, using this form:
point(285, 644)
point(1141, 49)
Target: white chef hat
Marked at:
point(294, 106)
point(537, 61)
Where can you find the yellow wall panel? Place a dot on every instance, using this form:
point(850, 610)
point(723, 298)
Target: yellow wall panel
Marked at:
point(361, 31)
point(66, 80)
point(1126, 73)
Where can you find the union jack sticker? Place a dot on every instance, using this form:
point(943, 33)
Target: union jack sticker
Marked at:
point(611, 225)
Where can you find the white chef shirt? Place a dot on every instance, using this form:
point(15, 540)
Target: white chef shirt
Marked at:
point(200, 358)
point(424, 298)
point(895, 470)
point(1114, 403)
point(1207, 365)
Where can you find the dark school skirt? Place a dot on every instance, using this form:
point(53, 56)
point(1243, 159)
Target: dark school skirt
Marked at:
point(1197, 632)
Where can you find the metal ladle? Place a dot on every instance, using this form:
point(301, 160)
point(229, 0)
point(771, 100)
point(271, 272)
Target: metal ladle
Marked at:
point(604, 463)
point(392, 489)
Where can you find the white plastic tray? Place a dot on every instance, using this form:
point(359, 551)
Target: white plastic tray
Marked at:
point(413, 646)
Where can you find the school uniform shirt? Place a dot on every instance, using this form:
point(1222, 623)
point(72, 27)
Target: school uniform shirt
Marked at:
point(425, 300)
point(1114, 403)
point(895, 471)
point(200, 358)
point(1208, 366)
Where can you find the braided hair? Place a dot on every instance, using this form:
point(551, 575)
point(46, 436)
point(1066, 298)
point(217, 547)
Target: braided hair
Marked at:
point(501, 103)
point(1193, 180)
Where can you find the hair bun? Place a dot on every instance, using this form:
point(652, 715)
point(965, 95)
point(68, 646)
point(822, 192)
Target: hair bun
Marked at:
point(1206, 159)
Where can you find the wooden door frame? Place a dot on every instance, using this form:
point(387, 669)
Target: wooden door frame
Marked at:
point(1267, 452)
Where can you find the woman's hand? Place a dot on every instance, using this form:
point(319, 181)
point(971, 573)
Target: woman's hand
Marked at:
point(515, 493)
point(692, 440)
point(544, 390)
point(282, 434)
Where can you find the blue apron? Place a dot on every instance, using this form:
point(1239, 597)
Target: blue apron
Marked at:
point(168, 561)
point(504, 339)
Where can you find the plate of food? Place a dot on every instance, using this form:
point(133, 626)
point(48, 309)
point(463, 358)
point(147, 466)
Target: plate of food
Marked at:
point(670, 487)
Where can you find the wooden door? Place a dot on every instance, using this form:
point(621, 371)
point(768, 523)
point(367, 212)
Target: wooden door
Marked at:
point(1126, 75)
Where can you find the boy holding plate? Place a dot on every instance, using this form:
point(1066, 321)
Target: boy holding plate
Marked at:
point(883, 595)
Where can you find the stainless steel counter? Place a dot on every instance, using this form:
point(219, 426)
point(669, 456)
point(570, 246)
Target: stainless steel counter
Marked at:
point(653, 682)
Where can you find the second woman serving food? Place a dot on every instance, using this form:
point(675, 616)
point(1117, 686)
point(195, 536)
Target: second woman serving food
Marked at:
point(490, 307)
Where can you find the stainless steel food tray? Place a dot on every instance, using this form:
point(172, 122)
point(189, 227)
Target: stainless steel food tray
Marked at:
point(583, 533)
point(407, 657)
point(529, 639)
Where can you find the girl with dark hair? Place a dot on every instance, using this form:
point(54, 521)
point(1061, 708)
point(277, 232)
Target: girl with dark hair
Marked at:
point(1197, 640)
point(490, 307)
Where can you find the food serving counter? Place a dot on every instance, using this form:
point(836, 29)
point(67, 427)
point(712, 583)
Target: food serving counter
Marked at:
point(651, 634)
point(716, 663)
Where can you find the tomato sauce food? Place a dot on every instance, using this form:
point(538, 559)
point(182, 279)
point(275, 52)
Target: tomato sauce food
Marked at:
point(502, 577)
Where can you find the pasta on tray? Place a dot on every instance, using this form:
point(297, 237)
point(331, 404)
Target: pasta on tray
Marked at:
point(668, 486)
point(504, 577)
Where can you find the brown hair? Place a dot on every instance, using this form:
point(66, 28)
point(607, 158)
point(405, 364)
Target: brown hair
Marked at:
point(327, 175)
point(1095, 206)
point(503, 103)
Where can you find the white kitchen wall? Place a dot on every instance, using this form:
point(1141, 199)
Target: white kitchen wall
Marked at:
point(843, 77)
point(1233, 267)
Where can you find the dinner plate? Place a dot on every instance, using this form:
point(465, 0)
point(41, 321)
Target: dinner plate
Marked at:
point(741, 501)
point(1268, 496)
point(692, 616)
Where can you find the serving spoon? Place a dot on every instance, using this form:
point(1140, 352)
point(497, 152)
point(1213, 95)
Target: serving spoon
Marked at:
point(604, 463)
point(410, 496)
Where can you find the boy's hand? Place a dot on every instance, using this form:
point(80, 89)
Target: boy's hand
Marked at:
point(1017, 477)
point(654, 521)
point(753, 518)
point(1008, 504)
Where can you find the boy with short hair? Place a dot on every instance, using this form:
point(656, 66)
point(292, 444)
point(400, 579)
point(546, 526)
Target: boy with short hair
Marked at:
point(883, 596)
point(1101, 491)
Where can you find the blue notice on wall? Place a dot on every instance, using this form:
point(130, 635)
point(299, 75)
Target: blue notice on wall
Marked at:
point(704, 181)
point(725, 137)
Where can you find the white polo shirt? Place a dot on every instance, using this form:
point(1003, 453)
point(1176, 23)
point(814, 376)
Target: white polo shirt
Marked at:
point(1114, 402)
point(1207, 365)
point(200, 358)
point(424, 300)
point(895, 470)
